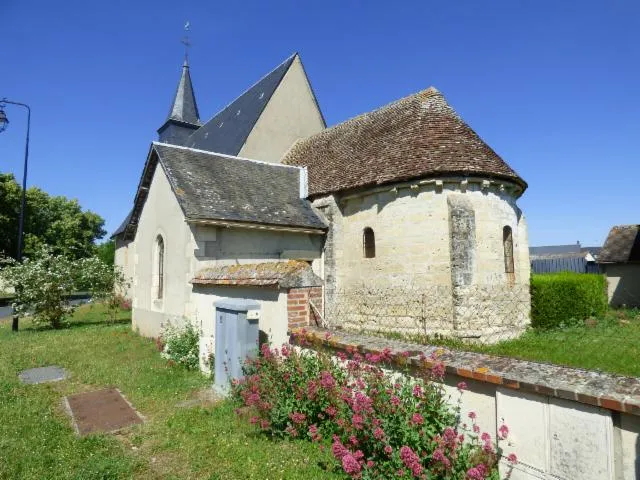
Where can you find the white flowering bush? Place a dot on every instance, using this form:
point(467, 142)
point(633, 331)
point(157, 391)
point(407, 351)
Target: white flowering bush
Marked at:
point(44, 283)
point(42, 286)
point(105, 283)
point(181, 345)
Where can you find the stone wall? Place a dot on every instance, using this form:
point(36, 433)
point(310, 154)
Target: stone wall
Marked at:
point(189, 248)
point(124, 258)
point(430, 234)
point(291, 114)
point(564, 423)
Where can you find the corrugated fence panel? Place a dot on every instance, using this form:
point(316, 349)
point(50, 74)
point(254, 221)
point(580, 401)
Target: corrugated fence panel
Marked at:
point(564, 264)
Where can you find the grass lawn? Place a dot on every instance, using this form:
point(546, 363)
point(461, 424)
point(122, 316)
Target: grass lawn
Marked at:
point(610, 343)
point(199, 442)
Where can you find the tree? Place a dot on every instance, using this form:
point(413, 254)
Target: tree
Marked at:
point(50, 220)
point(107, 252)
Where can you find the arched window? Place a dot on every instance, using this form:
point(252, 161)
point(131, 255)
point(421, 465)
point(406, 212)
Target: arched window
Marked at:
point(368, 243)
point(160, 265)
point(507, 242)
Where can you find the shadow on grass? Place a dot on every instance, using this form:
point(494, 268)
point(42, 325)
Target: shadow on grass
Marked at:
point(92, 323)
point(73, 324)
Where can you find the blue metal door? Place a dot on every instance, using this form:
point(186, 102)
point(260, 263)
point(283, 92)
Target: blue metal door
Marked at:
point(236, 338)
point(227, 351)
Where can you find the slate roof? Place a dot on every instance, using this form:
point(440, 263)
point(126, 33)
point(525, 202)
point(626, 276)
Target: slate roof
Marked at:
point(540, 256)
point(290, 274)
point(184, 107)
point(228, 130)
point(210, 186)
point(622, 245)
point(555, 249)
point(122, 226)
point(417, 136)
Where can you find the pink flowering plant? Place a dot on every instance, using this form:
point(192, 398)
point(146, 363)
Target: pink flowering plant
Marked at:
point(378, 424)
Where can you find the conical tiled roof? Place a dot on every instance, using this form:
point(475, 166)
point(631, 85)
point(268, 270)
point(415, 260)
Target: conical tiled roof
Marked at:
point(417, 136)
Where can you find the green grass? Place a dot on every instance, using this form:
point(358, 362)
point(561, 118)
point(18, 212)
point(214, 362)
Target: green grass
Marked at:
point(201, 442)
point(610, 343)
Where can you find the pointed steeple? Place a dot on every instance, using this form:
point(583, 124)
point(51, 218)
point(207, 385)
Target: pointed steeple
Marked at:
point(184, 107)
point(183, 118)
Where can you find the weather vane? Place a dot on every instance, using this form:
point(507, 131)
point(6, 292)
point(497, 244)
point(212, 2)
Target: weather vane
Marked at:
point(185, 40)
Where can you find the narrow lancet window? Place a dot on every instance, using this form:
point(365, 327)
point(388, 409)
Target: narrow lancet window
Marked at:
point(160, 265)
point(368, 243)
point(507, 241)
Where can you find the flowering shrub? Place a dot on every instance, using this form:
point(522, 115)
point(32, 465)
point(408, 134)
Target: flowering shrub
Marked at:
point(180, 345)
point(105, 283)
point(379, 425)
point(44, 283)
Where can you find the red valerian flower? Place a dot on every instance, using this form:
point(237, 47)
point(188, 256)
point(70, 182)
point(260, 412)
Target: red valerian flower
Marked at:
point(503, 431)
point(338, 449)
point(417, 391)
point(512, 458)
point(411, 460)
point(326, 380)
point(297, 417)
point(350, 464)
point(438, 370)
point(417, 419)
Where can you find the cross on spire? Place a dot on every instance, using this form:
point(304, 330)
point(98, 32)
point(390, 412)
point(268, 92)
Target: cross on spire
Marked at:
point(186, 41)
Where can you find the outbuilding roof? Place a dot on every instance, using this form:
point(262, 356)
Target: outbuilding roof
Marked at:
point(289, 274)
point(211, 187)
point(417, 136)
point(622, 245)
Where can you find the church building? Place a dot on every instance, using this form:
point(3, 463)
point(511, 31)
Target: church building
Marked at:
point(264, 202)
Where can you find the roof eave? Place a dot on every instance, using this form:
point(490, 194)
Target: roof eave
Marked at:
point(423, 177)
point(256, 225)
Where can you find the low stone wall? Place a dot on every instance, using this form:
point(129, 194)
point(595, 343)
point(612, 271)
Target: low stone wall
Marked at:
point(565, 423)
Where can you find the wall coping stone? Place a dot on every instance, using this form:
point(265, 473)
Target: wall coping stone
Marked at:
point(613, 392)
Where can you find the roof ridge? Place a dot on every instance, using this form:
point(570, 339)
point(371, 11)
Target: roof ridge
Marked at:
point(225, 155)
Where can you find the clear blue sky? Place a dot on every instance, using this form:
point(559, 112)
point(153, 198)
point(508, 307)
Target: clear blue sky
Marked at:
point(553, 87)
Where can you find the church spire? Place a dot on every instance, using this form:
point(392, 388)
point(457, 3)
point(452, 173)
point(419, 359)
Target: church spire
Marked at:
point(184, 107)
point(183, 118)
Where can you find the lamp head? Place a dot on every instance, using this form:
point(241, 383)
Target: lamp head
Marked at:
point(4, 121)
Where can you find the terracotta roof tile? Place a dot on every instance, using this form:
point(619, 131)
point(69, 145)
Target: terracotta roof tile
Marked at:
point(417, 136)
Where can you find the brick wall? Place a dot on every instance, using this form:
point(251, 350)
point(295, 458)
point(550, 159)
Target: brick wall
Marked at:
point(299, 310)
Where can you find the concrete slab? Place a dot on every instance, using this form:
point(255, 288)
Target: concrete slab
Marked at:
point(101, 411)
point(51, 373)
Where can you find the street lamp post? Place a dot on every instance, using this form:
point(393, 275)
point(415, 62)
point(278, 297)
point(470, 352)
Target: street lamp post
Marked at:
point(4, 122)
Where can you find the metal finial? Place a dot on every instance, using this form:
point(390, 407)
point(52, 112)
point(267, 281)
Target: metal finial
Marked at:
point(186, 42)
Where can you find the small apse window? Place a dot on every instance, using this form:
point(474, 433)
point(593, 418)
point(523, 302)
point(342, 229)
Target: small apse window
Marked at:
point(507, 241)
point(369, 243)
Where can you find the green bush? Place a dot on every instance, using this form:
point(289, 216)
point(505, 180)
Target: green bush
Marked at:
point(566, 299)
point(181, 345)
